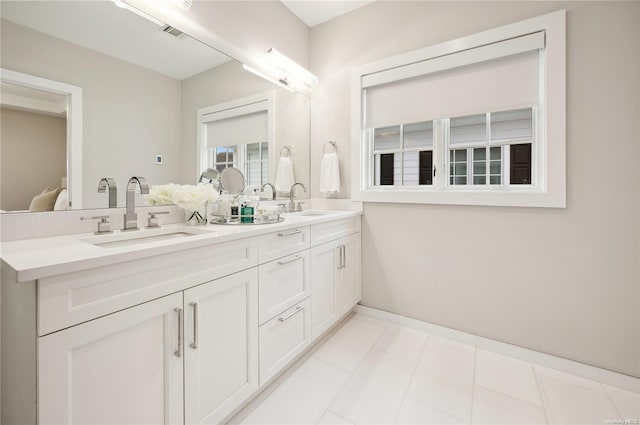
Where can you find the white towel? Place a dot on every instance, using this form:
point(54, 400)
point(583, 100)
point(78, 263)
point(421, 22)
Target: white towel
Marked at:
point(329, 174)
point(284, 174)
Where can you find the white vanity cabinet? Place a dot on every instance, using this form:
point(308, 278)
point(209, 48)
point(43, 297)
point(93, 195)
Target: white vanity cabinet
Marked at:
point(221, 346)
point(284, 307)
point(335, 271)
point(183, 336)
point(124, 368)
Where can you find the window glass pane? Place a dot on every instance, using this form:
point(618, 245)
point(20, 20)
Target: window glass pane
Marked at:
point(418, 135)
point(496, 153)
point(253, 151)
point(470, 129)
point(458, 167)
point(253, 173)
point(512, 125)
point(479, 180)
point(221, 154)
point(494, 167)
point(479, 168)
point(231, 153)
point(265, 170)
point(494, 179)
point(410, 172)
point(386, 138)
point(385, 171)
point(425, 167)
point(479, 154)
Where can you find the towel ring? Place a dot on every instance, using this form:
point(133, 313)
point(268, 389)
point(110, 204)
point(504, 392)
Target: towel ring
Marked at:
point(332, 143)
point(288, 148)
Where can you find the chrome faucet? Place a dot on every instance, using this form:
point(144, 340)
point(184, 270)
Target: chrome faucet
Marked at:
point(273, 190)
point(130, 217)
point(292, 205)
point(108, 182)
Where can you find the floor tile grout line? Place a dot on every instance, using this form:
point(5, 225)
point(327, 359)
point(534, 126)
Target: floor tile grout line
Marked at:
point(413, 374)
point(547, 415)
point(473, 384)
point(514, 399)
point(351, 374)
point(610, 398)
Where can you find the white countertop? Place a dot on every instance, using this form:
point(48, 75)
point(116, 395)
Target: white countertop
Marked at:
point(42, 257)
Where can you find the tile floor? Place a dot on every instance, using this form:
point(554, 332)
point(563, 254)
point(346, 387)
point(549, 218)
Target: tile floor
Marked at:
point(373, 372)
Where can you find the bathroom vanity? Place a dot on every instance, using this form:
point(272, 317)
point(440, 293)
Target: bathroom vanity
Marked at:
point(185, 326)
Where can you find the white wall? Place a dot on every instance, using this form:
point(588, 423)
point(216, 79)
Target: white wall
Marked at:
point(34, 156)
point(130, 113)
point(561, 281)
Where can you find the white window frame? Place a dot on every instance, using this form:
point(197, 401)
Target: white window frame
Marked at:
point(269, 97)
point(548, 149)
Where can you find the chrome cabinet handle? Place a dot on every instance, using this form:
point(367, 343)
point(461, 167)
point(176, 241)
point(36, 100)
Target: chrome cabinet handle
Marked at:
point(283, 318)
point(292, 232)
point(194, 344)
point(178, 352)
point(291, 260)
point(339, 248)
point(344, 256)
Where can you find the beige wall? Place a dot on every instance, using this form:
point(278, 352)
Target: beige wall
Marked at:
point(561, 281)
point(33, 151)
point(129, 113)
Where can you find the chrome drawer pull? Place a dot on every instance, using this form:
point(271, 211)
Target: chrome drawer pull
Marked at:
point(194, 344)
point(178, 352)
point(344, 257)
point(339, 248)
point(291, 260)
point(292, 232)
point(283, 318)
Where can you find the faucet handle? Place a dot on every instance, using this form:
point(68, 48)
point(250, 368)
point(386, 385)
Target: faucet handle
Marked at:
point(299, 206)
point(104, 226)
point(152, 220)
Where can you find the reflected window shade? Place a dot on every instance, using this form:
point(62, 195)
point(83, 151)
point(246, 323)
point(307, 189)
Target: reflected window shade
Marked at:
point(238, 130)
point(487, 86)
point(512, 125)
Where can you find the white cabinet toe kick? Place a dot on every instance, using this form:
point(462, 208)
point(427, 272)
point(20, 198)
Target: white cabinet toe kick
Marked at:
point(184, 337)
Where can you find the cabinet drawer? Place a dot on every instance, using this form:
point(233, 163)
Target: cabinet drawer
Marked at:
point(279, 244)
point(73, 298)
point(283, 338)
point(325, 232)
point(283, 283)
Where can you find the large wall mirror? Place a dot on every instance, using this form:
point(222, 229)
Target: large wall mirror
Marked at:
point(142, 85)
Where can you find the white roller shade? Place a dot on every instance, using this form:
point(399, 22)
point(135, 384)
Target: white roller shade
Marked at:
point(243, 125)
point(488, 78)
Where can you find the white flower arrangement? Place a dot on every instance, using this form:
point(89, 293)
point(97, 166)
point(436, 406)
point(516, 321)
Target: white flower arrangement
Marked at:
point(188, 196)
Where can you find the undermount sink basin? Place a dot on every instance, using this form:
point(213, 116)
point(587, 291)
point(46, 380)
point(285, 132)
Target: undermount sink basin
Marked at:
point(121, 239)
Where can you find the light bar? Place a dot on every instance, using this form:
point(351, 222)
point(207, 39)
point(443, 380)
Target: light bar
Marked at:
point(291, 69)
point(124, 5)
point(282, 83)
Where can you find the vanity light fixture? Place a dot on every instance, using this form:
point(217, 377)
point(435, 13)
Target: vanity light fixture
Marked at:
point(124, 5)
point(185, 4)
point(281, 82)
point(290, 69)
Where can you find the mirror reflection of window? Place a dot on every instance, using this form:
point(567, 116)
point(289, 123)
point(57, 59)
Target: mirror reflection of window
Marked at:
point(237, 134)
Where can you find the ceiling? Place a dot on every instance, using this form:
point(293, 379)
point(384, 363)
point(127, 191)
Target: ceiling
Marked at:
point(315, 12)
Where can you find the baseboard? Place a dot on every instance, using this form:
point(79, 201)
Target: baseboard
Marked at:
point(595, 373)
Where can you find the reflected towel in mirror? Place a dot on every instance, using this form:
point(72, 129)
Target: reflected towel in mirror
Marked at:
point(330, 174)
point(284, 174)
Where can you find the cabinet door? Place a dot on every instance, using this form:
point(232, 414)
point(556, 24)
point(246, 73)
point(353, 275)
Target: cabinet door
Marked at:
point(324, 273)
point(348, 288)
point(221, 346)
point(124, 368)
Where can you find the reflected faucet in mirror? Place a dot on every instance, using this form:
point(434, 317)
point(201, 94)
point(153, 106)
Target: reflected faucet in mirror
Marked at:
point(130, 217)
point(109, 183)
point(273, 190)
point(292, 205)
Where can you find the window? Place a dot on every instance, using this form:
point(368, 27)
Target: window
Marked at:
point(238, 134)
point(478, 120)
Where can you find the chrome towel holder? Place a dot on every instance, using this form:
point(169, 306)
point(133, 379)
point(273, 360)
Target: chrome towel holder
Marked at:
point(332, 143)
point(288, 148)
